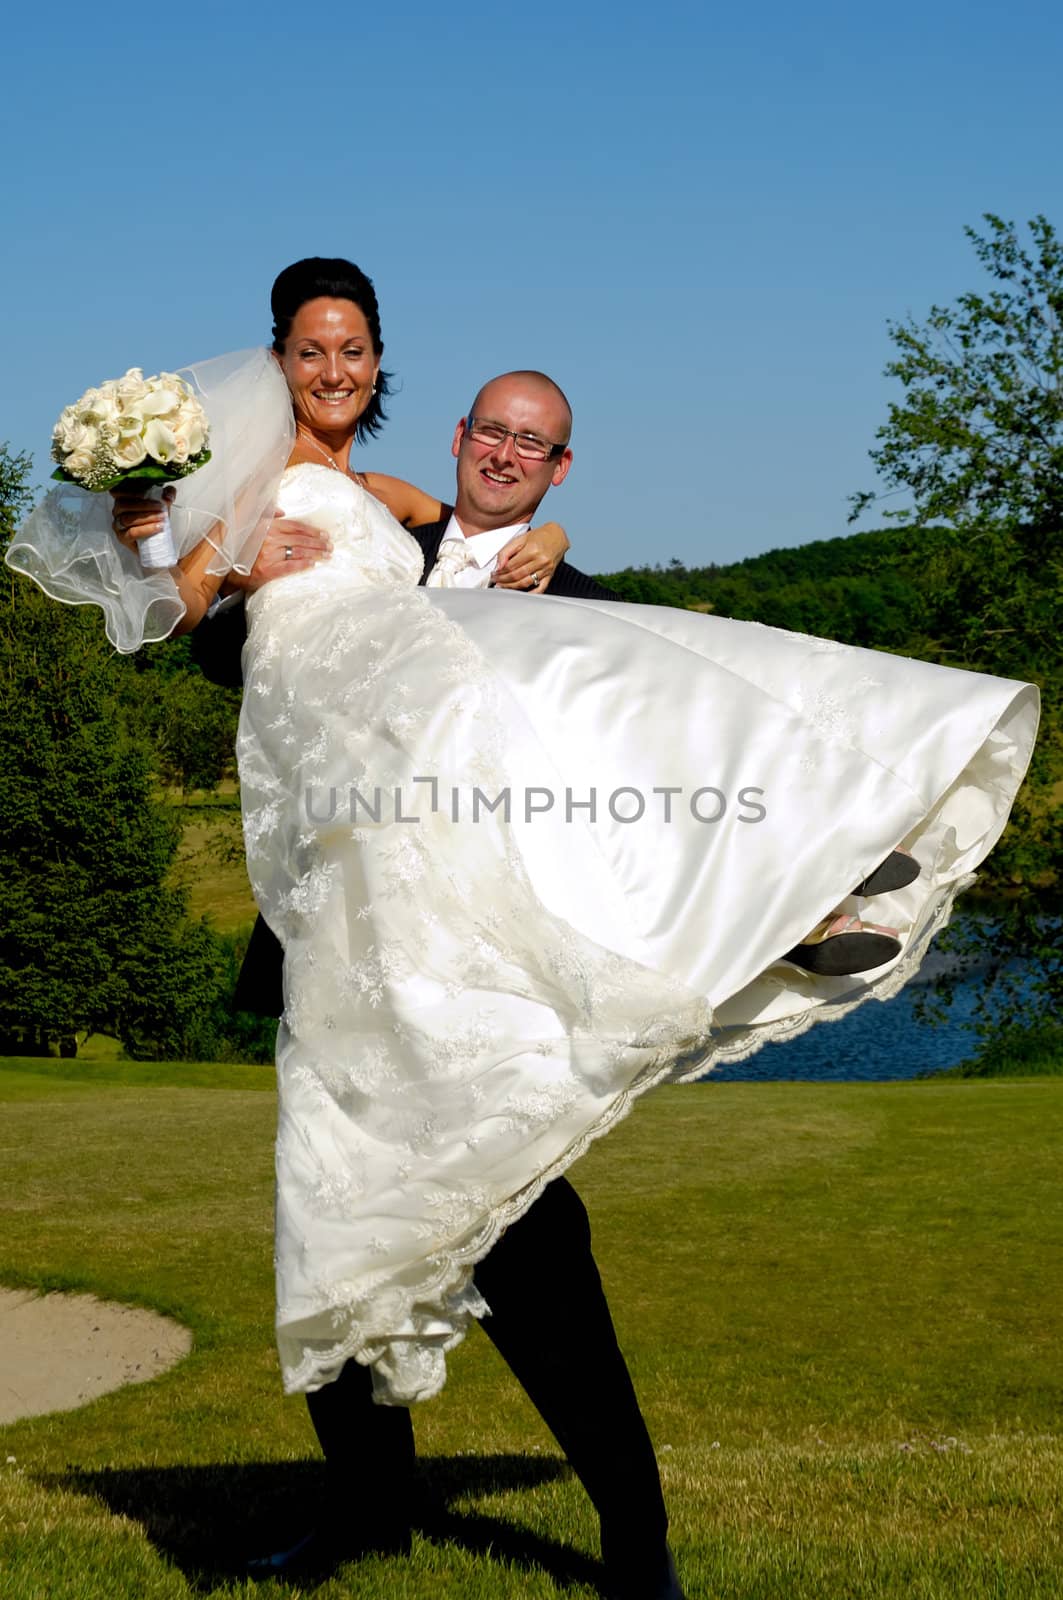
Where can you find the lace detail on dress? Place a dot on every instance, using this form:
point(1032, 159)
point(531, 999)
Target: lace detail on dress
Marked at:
point(403, 1031)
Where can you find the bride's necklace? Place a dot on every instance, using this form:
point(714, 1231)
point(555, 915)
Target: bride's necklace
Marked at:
point(333, 463)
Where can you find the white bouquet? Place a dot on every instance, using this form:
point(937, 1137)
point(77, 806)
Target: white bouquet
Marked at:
point(155, 430)
point(133, 432)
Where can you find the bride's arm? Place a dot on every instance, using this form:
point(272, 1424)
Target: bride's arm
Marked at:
point(196, 586)
point(289, 547)
point(407, 504)
point(135, 518)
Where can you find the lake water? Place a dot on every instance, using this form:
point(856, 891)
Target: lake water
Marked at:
point(878, 1040)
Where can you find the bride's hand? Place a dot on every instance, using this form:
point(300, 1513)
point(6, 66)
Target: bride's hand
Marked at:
point(289, 546)
point(536, 555)
point(135, 518)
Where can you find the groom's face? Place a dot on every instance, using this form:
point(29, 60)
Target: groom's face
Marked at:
point(496, 486)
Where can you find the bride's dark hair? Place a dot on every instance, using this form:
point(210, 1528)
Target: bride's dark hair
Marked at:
point(332, 278)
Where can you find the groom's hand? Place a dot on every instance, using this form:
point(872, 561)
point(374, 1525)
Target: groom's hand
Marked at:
point(289, 546)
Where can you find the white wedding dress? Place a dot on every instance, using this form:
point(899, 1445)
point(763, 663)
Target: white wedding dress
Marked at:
point(468, 1002)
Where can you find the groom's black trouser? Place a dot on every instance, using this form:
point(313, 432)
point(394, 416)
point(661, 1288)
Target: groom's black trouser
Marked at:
point(550, 1322)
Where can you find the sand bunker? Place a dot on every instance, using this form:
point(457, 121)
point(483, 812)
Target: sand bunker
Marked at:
point(59, 1351)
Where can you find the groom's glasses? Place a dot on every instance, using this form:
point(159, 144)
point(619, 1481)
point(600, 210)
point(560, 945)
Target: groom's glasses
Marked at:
point(527, 445)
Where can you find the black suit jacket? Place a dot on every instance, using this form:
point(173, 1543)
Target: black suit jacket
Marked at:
point(217, 647)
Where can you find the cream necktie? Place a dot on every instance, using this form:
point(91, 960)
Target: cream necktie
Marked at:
point(453, 558)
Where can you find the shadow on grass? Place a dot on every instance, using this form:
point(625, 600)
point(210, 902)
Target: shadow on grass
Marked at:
point(209, 1521)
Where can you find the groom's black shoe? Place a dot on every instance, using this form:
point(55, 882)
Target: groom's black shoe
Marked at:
point(308, 1557)
point(322, 1550)
point(642, 1577)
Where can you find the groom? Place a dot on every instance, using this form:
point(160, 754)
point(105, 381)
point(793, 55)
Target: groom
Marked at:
point(549, 1317)
point(499, 488)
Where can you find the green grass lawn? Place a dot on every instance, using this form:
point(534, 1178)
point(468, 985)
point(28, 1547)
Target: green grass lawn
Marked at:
point(841, 1306)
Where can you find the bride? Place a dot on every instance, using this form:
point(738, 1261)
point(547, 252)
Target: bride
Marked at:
point(522, 867)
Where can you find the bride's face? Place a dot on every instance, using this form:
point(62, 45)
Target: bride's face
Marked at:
point(330, 365)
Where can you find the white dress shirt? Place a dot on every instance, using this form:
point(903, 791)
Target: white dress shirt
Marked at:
point(479, 552)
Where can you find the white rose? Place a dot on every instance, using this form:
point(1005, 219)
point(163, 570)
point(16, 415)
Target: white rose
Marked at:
point(171, 380)
point(129, 450)
point(159, 440)
point(79, 438)
point(64, 428)
point(84, 406)
point(79, 463)
point(132, 383)
point(191, 424)
point(83, 436)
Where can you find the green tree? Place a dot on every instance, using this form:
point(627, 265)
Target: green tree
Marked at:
point(91, 935)
point(192, 724)
point(16, 496)
point(649, 586)
point(975, 446)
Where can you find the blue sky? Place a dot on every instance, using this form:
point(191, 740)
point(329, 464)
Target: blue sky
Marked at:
point(697, 217)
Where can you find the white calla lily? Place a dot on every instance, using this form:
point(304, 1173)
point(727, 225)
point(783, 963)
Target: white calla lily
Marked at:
point(159, 441)
point(160, 402)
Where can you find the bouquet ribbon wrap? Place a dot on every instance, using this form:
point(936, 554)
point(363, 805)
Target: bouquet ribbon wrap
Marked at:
point(67, 544)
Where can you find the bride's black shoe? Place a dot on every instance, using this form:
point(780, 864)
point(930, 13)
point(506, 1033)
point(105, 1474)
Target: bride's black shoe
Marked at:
point(842, 945)
point(896, 872)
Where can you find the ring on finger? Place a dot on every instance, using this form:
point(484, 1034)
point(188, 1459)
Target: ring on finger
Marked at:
point(287, 552)
point(535, 580)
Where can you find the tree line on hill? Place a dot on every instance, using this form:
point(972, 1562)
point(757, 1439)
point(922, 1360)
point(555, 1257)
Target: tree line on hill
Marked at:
point(94, 937)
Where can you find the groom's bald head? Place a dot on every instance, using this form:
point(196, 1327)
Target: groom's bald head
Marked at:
point(530, 382)
point(498, 485)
